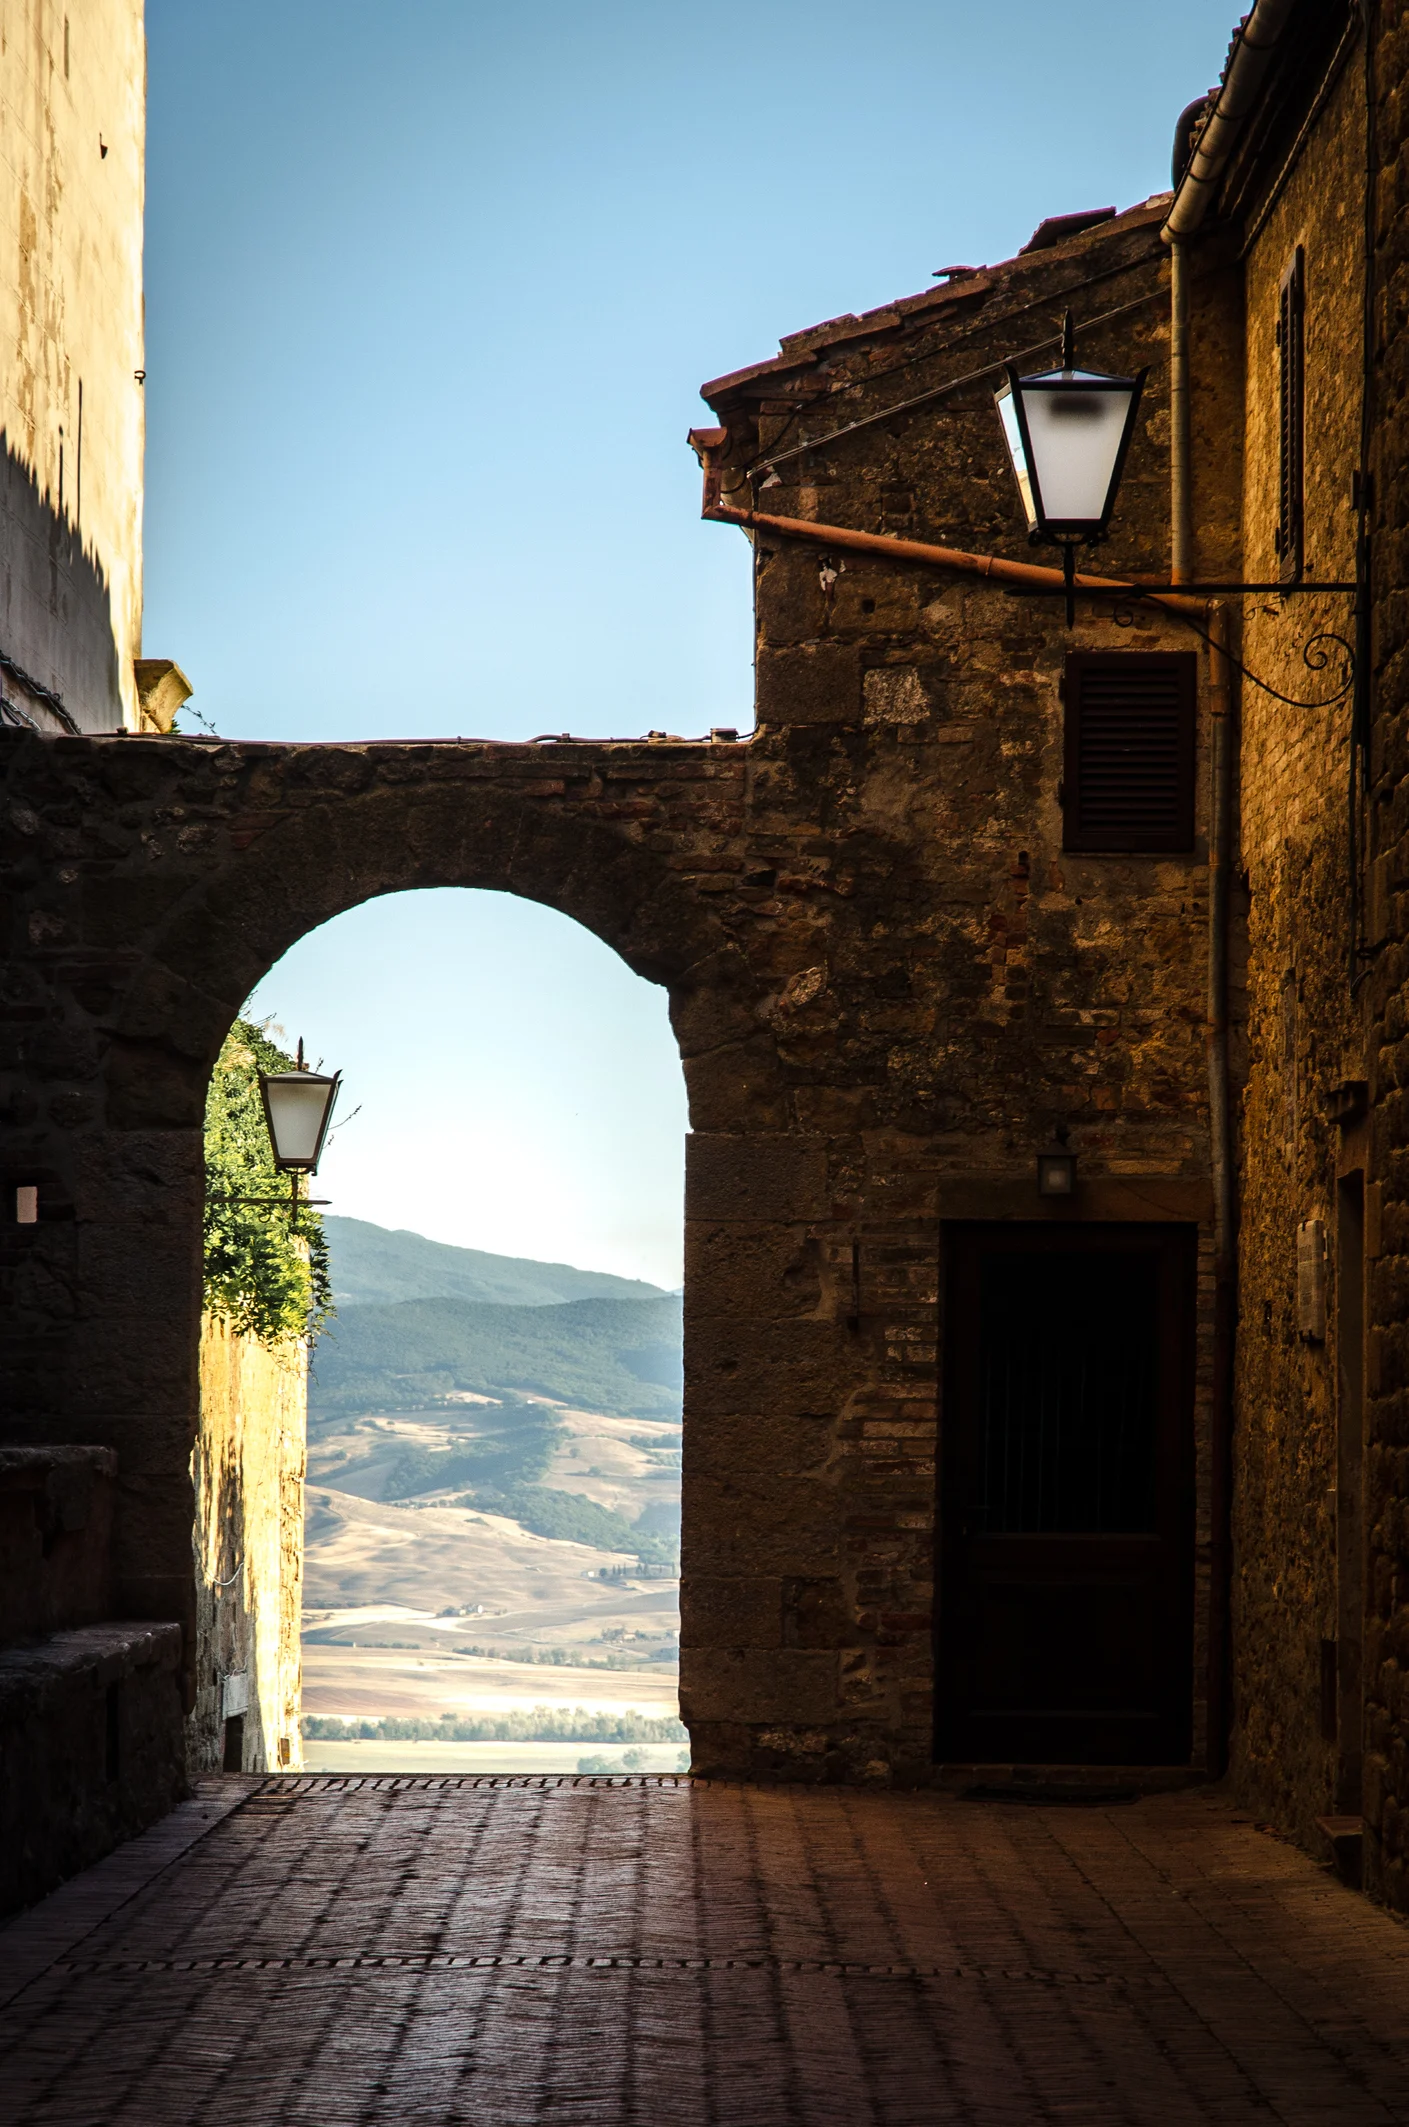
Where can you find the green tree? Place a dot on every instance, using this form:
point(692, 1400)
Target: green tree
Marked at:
point(265, 1273)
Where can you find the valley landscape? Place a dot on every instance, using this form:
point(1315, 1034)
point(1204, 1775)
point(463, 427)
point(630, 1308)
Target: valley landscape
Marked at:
point(493, 1513)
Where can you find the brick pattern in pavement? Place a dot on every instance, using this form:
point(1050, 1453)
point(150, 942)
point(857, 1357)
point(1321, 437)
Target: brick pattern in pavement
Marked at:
point(662, 1953)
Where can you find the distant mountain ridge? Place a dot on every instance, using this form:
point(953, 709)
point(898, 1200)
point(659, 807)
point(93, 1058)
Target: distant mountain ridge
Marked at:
point(376, 1266)
point(620, 1356)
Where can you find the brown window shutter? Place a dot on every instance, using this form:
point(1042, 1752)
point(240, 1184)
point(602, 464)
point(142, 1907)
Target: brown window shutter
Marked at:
point(1129, 770)
point(1291, 416)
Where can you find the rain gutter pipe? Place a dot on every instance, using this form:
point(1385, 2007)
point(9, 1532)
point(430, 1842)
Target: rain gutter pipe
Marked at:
point(1020, 575)
point(1222, 741)
point(1181, 507)
point(1196, 186)
point(1253, 51)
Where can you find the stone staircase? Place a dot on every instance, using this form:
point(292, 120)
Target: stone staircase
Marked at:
point(91, 1746)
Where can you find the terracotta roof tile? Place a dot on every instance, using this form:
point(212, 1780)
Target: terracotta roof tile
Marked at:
point(800, 350)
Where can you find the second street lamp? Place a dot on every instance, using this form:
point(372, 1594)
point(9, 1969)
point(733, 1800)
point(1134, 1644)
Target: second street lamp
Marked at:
point(1067, 432)
point(298, 1106)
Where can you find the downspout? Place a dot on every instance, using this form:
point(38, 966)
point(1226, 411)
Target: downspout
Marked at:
point(1181, 509)
point(1222, 1172)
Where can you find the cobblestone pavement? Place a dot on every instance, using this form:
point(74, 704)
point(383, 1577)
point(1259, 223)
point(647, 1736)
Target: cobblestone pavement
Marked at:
point(648, 1953)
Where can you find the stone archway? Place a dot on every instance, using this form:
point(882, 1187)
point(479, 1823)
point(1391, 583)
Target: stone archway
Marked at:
point(163, 878)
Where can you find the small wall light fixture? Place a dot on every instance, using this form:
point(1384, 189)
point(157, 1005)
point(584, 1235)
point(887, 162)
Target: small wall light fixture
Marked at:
point(1311, 1280)
point(27, 1204)
point(1056, 1169)
point(1067, 432)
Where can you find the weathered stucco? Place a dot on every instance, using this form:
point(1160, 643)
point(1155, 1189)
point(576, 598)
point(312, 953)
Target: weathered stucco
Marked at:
point(72, 128)
point(247, 1475)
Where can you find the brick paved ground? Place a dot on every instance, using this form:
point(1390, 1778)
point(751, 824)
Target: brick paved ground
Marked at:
point(646, 1953)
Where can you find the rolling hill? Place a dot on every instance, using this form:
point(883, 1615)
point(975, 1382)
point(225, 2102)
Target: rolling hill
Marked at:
point(376, 1266)
point(620, 1356)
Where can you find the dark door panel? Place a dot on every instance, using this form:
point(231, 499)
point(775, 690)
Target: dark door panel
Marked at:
point(1064, 1622)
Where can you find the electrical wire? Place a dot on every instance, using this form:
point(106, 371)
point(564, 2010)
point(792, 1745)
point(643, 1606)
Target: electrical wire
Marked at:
point(766, 460)
point(51, 701)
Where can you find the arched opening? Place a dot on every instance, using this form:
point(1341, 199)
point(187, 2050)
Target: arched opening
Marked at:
point(487, 1569)
point(223, 857)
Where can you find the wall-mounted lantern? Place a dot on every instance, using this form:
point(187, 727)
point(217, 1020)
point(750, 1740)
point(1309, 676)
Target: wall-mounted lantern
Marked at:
point(298, 1107)
point(1067, 432)
point(1056, 1169)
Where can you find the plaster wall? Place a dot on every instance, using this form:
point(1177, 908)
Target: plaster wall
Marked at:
point(247, 1470)
point(72, 135)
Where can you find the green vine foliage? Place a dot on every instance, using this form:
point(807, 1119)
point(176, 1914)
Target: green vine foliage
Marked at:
point(265, 1274)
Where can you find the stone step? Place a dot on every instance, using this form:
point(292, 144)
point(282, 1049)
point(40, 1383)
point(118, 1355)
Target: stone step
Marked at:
point(1345, 1843)
point(56, 1517)
point(91, 1748)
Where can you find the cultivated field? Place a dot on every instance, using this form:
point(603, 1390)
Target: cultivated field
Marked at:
point(415, 1609)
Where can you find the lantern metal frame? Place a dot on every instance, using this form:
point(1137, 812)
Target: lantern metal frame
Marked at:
point(1067, 381)
point(308, 1165)
point(1056, 1172)
point(292, 1167)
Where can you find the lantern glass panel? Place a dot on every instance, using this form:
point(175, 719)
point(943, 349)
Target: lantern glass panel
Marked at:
point(1056, 1173)
point(1012, 436)
point(298, 1105)
point(1076, 430)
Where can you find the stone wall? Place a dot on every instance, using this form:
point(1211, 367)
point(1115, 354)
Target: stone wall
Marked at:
point(1304, 1029)
point(966, 986)
point(90, 1705)
point(1385, 989)
point(248, 1482)
point(73, 117)
point(888, 981)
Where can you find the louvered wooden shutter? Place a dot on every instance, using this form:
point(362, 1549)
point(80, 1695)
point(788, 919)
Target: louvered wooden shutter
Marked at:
point(1129, 781)
point(1291, 414)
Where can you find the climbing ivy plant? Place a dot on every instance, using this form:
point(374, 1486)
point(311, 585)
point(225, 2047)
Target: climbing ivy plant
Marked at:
point(265, 1274)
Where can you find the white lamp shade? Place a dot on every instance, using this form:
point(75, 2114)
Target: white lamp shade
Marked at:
point(1067, 432)
point(298, 1106)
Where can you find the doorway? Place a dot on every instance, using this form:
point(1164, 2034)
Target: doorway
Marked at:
point(1065, 1621)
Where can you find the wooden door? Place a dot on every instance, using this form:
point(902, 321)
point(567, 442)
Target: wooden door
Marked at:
point(1064, 1623)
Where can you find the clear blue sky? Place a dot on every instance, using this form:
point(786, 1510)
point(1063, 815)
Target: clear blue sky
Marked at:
point(430, 292)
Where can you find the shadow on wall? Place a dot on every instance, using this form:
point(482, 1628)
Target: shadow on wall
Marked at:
point(55, 609)
point(248, 1469)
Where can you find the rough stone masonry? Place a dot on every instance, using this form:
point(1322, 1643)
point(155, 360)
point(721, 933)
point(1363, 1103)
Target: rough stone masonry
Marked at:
point(889, 984)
